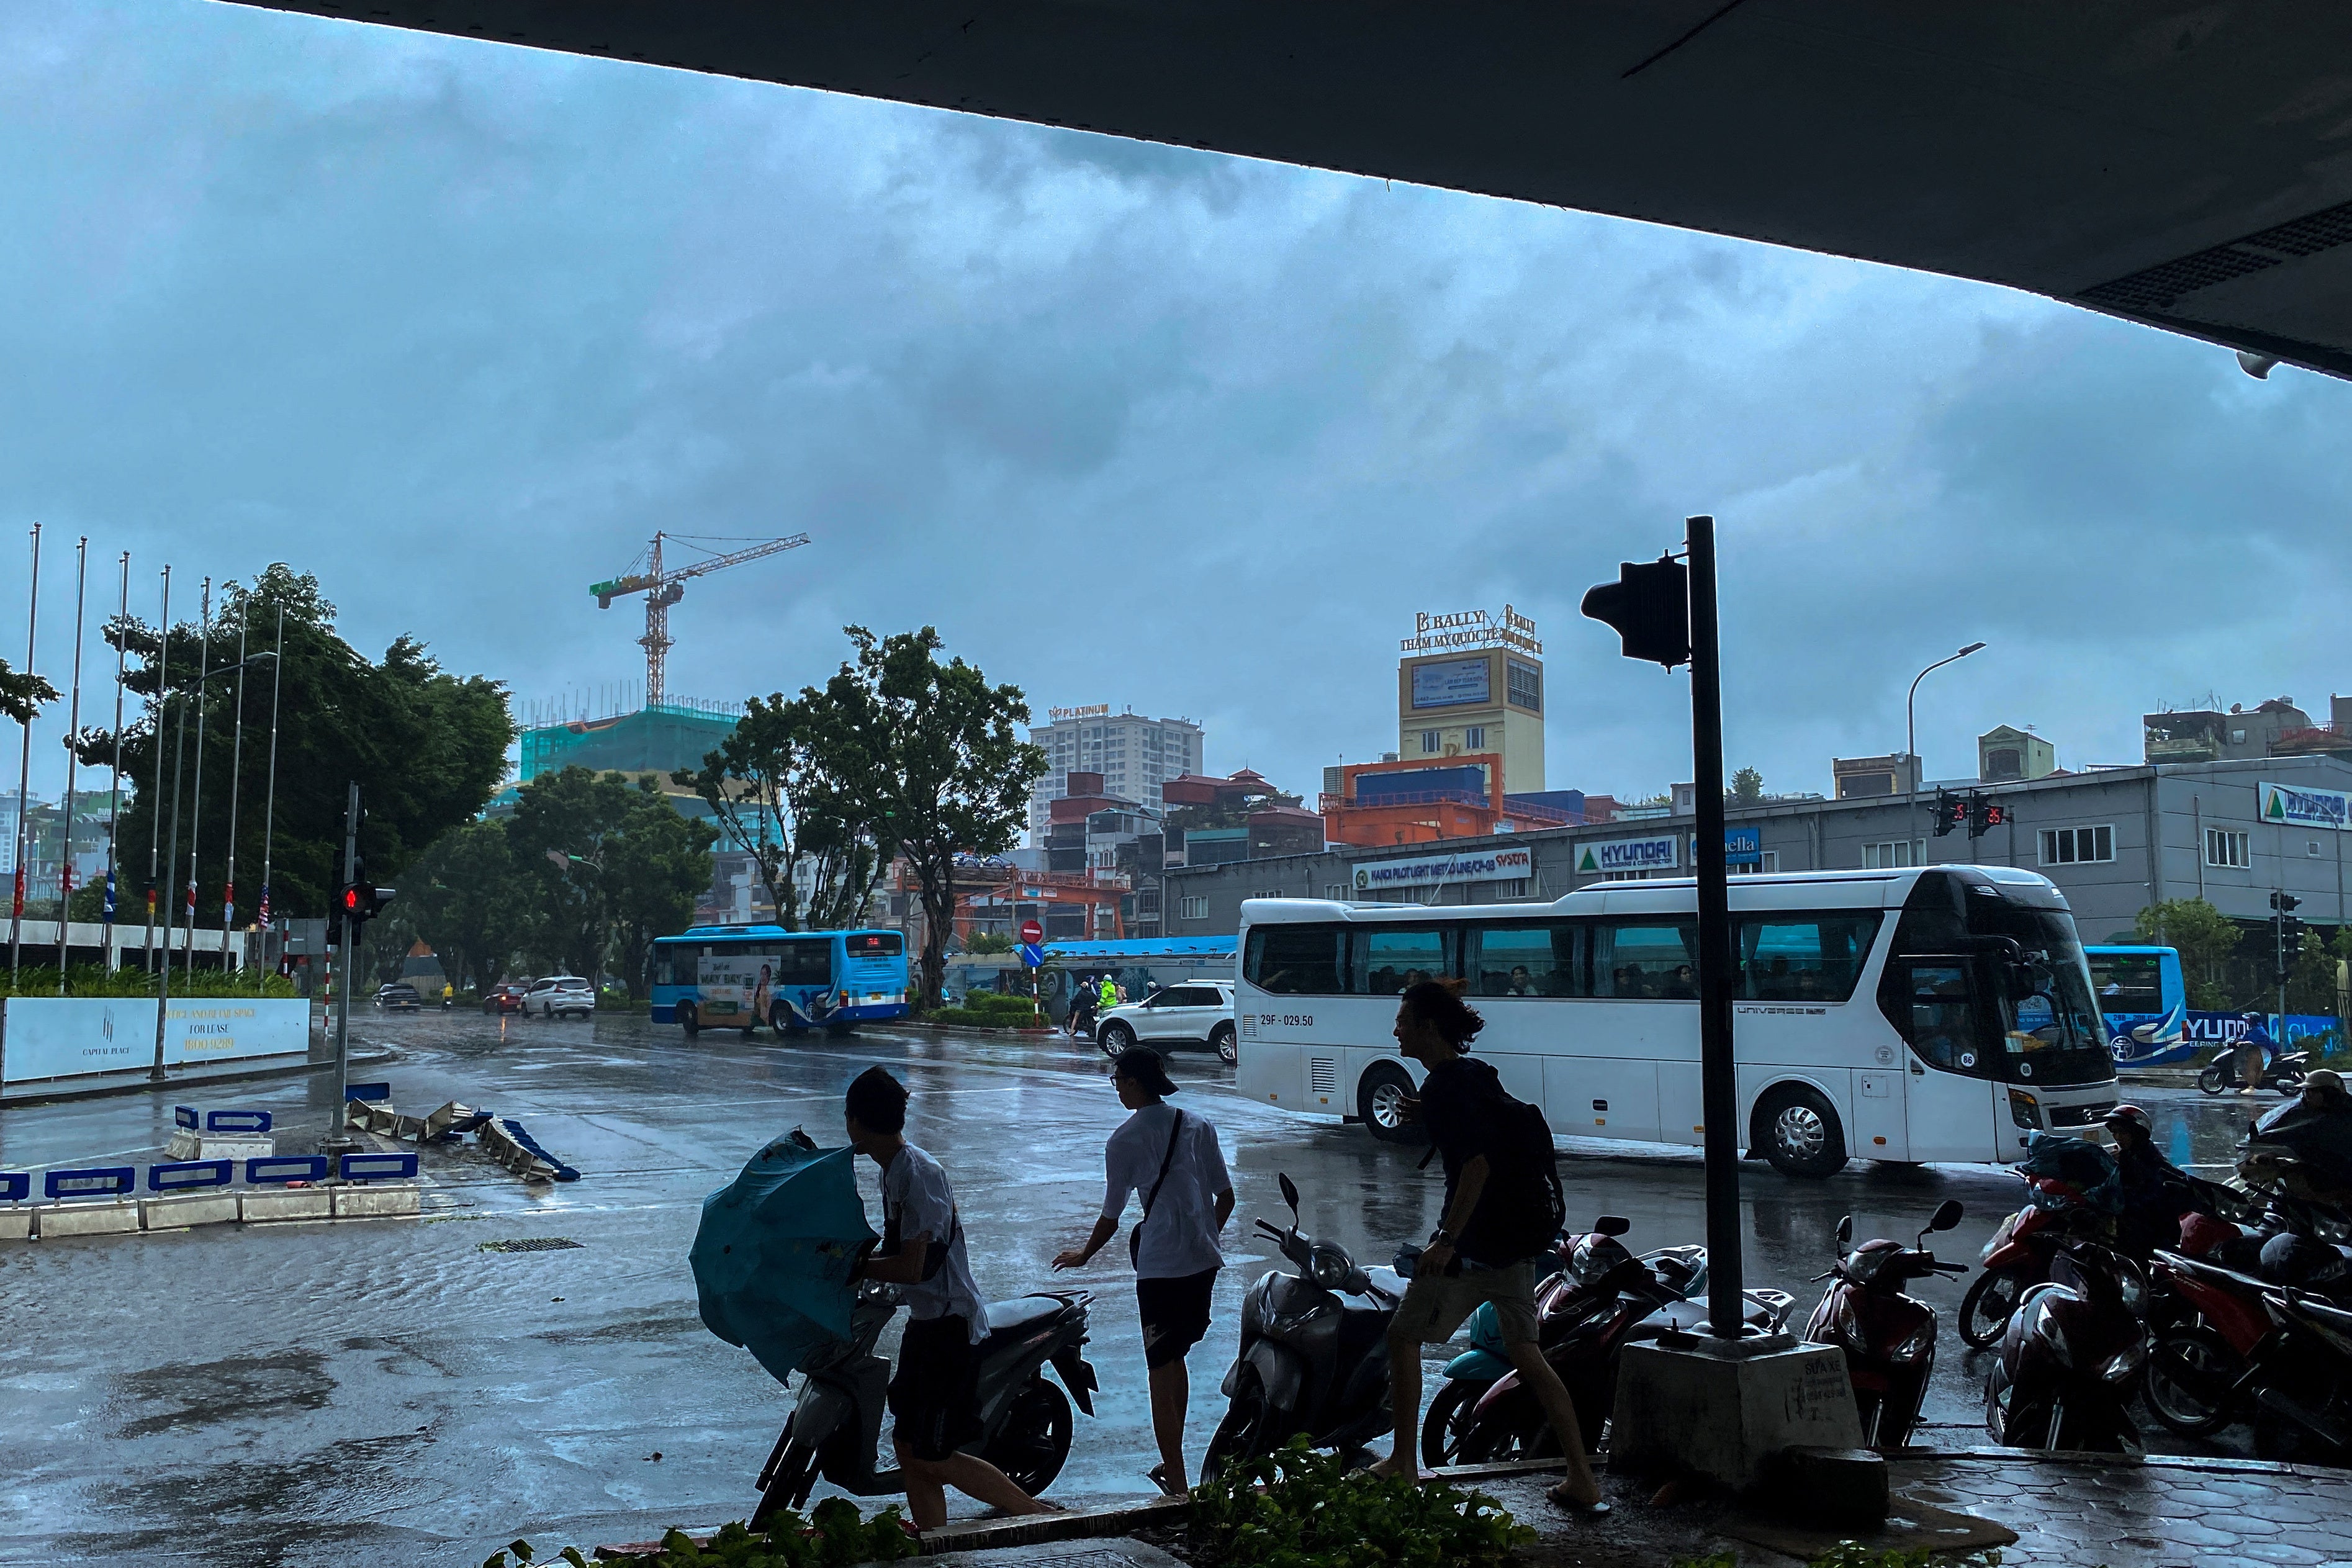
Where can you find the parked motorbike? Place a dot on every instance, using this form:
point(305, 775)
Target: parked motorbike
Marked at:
point(2016, 1260)
point(1314, 1355)
point(835, 1426)
point(1888, 1336)
point(2072, 1355)
point(2284, 1072)
point(1604, 1300)
point(2212, 1321)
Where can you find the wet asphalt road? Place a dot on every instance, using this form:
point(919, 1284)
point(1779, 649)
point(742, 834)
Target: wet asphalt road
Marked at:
point(295, 1394)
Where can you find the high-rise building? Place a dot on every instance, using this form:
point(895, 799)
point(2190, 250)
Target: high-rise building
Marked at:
point(1135, 755)
point(1470, 685)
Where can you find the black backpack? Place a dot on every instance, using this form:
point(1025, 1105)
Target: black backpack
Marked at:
point(1528, 1206)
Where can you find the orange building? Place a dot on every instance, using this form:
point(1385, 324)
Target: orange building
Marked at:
point(1417, 801)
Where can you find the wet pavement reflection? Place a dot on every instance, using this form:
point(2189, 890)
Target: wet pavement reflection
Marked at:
point(289, 1393)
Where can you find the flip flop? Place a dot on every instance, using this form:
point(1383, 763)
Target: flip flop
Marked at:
point(1568, 1505)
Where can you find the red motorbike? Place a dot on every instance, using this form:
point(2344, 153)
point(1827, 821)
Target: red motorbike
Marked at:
point(2215, 1318)
point(1888, 1336)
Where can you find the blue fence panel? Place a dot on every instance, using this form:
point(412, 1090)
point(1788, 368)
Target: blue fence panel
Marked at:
point(185, 1116)
point(16, 1184)
point(176, 1174)
point(367, 1091)
point(278, 1169)
point(379, 1167)
point(91, 1180)
point(236, 1121)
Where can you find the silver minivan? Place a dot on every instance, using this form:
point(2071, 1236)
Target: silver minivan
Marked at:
point(560, 996)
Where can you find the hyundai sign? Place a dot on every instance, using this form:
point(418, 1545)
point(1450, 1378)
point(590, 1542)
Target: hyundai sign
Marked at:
point(2284, 806)
point(1663, 853)
point(1437, 870)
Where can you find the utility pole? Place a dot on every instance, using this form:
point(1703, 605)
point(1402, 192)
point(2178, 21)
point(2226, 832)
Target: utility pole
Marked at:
point(155, 817)
point(73, 728)
point(25, 772)
point(337, 1140)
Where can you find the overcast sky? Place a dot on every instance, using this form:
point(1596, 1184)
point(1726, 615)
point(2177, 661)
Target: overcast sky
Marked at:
point(457, 327)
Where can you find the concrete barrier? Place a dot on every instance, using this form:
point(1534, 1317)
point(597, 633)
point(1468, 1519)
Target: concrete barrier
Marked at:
point(15, 1225)
point(377, 1201)
point(293, 1203)
point(180, 1210)
point(51, 1221)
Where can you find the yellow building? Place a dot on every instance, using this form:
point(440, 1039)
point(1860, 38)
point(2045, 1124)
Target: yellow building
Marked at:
point(1469, 683)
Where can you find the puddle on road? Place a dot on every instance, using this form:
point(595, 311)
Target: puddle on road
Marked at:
point(209, 1393)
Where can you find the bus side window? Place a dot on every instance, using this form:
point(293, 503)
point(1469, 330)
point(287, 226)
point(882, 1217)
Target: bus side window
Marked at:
point(1643, 958)
point(1298, 960)
point(1943, 1015)
point(1385, 959)
point(1525, 961)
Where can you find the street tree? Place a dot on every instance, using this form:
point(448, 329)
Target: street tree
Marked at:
point(2206, 939)
point(947, 770)
point(611, 866)
point(22, 697)
point(790, 788)
point(1746, 787)
point(427, 747)
point(465, 898)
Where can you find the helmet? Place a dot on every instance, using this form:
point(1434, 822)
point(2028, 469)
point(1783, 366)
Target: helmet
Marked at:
point(2131, 1113)
point(2202, 1235)
point(2291, 1259)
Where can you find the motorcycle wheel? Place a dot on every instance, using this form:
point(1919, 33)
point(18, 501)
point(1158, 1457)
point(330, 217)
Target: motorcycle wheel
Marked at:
point(1517, 1430)
point(1241, 1437)
point(2211, 1079)
point(1034, 1440)
point(790, 1481)
point(1986, 1308)
point(1443, 1430)
point(2190, 1372)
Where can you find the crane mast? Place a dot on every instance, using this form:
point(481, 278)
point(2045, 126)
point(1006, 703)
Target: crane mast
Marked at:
point(664, 587)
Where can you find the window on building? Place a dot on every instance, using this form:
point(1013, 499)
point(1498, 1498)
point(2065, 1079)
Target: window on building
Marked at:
point(2074, 845)
point(1893, 855)
point(1430, 741)
point(1768, 863)
point(1525, 686)
point(1194, 908)
point(1336, 891)
point(1473, 739)
point(2223, 847)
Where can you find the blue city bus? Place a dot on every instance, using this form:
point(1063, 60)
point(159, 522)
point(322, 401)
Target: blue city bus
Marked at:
point(2144, 1003)
point(744, 976)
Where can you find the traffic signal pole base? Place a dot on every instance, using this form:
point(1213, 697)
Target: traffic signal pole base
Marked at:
point(1729, 1409)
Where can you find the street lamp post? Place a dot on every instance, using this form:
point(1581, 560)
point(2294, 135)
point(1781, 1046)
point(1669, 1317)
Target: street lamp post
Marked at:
point(1911, 749)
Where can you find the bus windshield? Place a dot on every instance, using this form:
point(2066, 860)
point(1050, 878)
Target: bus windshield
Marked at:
point(2129, 983)
point(2028, 961)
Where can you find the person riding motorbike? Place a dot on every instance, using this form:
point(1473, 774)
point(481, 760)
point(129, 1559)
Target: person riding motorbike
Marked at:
point(2254, 1051)
point(2155, 1193)
point(2315, 1128)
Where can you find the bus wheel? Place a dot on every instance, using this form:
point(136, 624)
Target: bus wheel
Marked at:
point(1799, 1132)
point(688, 1022)
point(780, 1019)
point(1380, 1102)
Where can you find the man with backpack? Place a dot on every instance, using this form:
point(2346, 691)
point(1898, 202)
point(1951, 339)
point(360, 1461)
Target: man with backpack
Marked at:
point(1503, 1207)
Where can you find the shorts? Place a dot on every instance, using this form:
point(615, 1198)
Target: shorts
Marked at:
point(935, 1396)
point(1175, 1315)
point(1436, 1305)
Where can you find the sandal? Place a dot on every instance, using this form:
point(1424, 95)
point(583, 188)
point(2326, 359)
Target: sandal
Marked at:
point(1556, 1495)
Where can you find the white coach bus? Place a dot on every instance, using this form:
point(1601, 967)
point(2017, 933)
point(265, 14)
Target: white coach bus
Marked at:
point(1938, 1013)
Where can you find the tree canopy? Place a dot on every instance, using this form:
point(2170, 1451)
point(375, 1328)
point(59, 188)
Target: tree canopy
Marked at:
point(426, 747)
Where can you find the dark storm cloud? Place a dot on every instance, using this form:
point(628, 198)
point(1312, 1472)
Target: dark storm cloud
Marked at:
point(457, 327)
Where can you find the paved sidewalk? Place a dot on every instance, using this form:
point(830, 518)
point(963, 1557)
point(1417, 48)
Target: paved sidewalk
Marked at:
point(2068, 1511)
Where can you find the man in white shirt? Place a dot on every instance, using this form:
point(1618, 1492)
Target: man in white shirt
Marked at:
point(1169, 1159)
point(935, 1393)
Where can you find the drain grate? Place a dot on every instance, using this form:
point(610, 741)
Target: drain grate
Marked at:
point(527, 1244)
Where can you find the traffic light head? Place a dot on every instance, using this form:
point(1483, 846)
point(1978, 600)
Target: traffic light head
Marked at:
point(1952, 811)
point(1984, 814)
point(1649, 606)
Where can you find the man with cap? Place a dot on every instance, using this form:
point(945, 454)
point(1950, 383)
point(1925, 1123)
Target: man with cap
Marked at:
point(2155, 1191)
point(1169, 1159)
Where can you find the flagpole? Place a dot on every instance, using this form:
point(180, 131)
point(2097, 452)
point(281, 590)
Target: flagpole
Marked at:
point(25, 775)
point(179, 759)
point(73, 729)
point(114, 802)
point(235, 778)
point(155, 815)
point(269, 810)
point(196, 789)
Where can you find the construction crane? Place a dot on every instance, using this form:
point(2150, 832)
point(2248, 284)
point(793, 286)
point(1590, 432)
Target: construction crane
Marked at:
point(664, 586)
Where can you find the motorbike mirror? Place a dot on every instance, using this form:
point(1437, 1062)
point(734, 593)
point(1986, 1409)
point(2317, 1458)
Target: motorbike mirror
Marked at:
point(1612, 1224)
point(1947, 1216)
point(1844, 1230)
point(1289, 1191)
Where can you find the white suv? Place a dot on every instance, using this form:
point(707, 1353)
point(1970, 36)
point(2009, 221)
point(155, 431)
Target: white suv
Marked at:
point(1194, 1013)
point(560, 995)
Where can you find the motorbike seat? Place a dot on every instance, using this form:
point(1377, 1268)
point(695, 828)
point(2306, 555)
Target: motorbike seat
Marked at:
point(1021, 1315)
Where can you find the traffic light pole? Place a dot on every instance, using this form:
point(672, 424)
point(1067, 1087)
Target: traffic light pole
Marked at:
point(1718, 1089)
point(336, 1137)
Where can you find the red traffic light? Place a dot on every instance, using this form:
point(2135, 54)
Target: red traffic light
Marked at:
point(354, 902)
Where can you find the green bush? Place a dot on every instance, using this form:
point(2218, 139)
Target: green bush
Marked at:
point(834, 1536)
point(95, 980)
point(997, 1002)
point(1300, 1509)
point(968, 1017)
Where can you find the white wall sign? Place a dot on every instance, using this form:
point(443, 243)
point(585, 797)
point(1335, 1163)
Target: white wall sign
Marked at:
point(1663, 853)
point(2285, 806)
point(1470, 866)
point(63, 1036)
